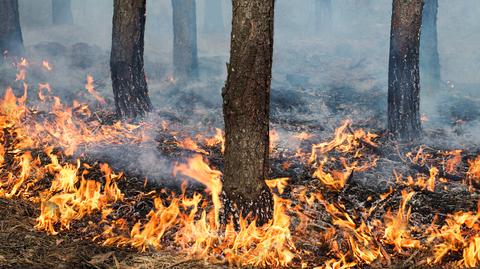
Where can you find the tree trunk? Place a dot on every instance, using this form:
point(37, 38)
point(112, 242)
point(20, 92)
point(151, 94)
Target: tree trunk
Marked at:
point(185, 58)
point(126, 59)
point(403, 73)
point(323, 16)
point(62, 12)
point(429, 59)
point(213, 17)
point(246, 98)
point(11, 41)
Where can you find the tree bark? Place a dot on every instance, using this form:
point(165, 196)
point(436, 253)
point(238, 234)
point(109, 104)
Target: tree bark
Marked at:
point(62, 12)
point(213, 17)
point(246, 98)
point(185, 55)
point(403, 73)
point(11, 40)
point(323, 16)
point(429, 58)
point(126, 59)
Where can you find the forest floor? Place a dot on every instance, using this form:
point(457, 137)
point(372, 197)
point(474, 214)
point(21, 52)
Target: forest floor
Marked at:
point(22, 246)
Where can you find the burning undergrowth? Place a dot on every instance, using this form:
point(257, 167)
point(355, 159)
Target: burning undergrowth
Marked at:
point(354, 200)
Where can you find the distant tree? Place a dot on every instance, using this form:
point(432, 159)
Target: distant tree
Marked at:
point(403, 73)
point(185, 55)
point(246, 97)
point(429, 58)
point(11, 41)
point(126, 59)
point(213, 17)
point(62, 12)
point(323, 15)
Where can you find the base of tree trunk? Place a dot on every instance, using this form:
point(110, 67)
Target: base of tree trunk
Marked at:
point(259, 209)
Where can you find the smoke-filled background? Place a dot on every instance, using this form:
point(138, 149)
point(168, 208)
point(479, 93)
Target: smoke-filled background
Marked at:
point(320, 77)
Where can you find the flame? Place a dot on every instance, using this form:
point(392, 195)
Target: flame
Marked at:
point(396, 231)
point(91, 89)
point(46, 65)
point(335, 180)
point(41, 87)
point(474, 169)
point(189, 144)
point(274, 137)
point(454, 161)
point(279, 183)
point(201, 172)
point(218, 139)
point(459, 234)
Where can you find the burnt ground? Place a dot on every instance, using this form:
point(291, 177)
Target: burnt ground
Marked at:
point(24, 247)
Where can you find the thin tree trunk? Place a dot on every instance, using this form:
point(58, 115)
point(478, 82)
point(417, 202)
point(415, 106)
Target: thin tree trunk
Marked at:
point(62, 12)
point(11, 41)
point(185, 55)
point(246, 98)
point(126, 59)
point(429, 58)
point(323, 16)
point(213, 17)
point(403, 73)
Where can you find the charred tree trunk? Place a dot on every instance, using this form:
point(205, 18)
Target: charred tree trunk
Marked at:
point(11, 41)
point(323, 15)
point(185, 55)
point(126, 59)
point(403, 73)
point(429, 58)
point(213, 17)
point(62, 12)
point(246, 99)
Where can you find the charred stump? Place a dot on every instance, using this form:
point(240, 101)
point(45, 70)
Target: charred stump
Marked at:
point(11, 40)
point(62, 12)
point(403, 70)
point(126, 59)
point(429, 58)
point(185, 55)
point(246, 98)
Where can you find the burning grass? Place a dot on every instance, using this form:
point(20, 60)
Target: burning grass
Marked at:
point(429, 215)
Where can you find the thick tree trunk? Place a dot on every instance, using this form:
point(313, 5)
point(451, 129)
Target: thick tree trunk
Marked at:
point(11, 41)
point(185, 55)
point(213, 17)
point(62, 12)
point(403, 73)
point(429, 58)
point(126, 59)
point(246, 99)
point(323, 16)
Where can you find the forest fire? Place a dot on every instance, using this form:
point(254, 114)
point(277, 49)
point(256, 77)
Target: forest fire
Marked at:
point(304, 156)
point(67, 193)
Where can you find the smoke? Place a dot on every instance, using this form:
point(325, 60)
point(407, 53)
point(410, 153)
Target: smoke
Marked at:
point(319, 78)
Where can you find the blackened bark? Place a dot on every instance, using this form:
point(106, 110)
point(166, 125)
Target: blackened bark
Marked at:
point(11, 41)
point(185, 55)
point(213, 17)
point(429, 58)
point(403, 73)
point(323, 15)
point(126, 59)
point(62, 12)
point(246, 98)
